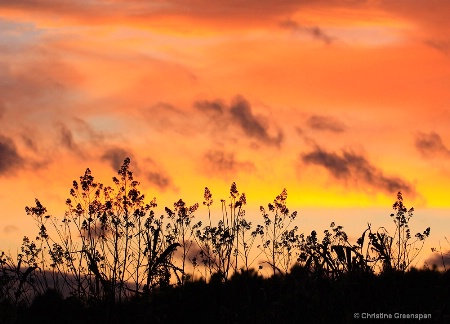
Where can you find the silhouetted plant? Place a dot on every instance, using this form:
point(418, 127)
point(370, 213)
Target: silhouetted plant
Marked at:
point(279, 242)
point(111, 251)
point(16, 277)
point(245, 239)
point(105, 247)
point(398, 251)
point(180, 232)
point(219, 245)
point(334, 255)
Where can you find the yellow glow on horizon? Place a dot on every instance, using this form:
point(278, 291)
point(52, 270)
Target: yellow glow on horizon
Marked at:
point(82, 82)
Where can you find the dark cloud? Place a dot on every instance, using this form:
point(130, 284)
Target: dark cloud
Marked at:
point(9, 157)
point(431, 145)
point(66, 138)
point(225, 120)
point(215, 118)
point(158, 179)
point(210, 107)
point(241, 113)
point(319, 34)
point(225, 162)
point(115, 156)
point(325, 123)
point(315, 32)
point(439, 260)
point(352, 167)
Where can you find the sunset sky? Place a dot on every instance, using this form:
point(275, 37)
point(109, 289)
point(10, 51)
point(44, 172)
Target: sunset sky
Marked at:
point(344, 103)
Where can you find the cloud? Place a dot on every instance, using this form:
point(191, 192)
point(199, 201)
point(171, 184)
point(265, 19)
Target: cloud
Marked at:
point(215, 119)
point(219, 161)
point(17, 36)
point(35, 81)
point(164, 116)
point(353, 167)
point(241, 113)
point(210, 107)
point(157, 177)
point(88, 132)
point(441, 46)
point(436, 259)
point(115, 156)
point(325, 123)
point(252, 11)
point(431, 145)
point(66, 137)
point(160, 180)
point(232, 13)
point(315, 32)
point(8, 229)
point(29, 142)
point(36, 86)
point(2, 109)
point(432, 16)
point(9, 157)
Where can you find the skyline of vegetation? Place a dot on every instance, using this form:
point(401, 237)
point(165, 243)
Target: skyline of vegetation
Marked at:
point(111, 249)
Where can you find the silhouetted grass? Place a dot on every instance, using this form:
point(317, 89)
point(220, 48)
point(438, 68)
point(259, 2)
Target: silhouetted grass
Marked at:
point(112, 260)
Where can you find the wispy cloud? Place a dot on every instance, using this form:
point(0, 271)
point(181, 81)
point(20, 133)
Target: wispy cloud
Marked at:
point(232, 10)
point(166, 117)
point(314, 31)
point(160, 180)
point(326, 123)
point(66, 138)
point(442, 46)
point(8, 229)
point(430, 145)
point(349, 166)
point(157, 176)
point(210, 107)
point(88, 132)
point(29, 141)
point(219, 162)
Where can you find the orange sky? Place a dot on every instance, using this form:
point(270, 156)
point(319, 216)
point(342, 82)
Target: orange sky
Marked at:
point(343, 103)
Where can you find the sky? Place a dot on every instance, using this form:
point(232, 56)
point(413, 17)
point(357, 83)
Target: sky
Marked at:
point(344, 103)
